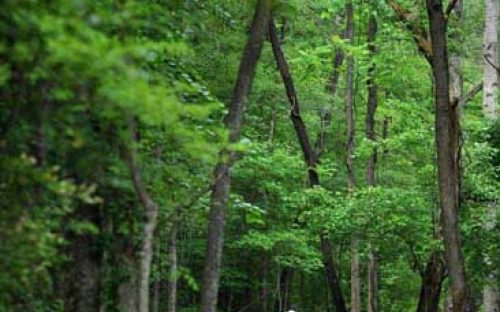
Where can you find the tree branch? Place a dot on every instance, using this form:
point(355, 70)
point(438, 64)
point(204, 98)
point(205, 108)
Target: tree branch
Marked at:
point(419, 33)
point(140, 189)
point(471, 94)
point(450, 7)
point(489, 61)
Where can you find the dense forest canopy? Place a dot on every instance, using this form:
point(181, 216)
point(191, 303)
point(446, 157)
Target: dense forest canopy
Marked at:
point(264, 155)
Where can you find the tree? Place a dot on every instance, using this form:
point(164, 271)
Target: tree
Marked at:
point(448, 158)
point(220, 191)
point(310, 160)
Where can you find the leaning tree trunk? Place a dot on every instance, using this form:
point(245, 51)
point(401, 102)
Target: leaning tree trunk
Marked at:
point(372, 161)
point(220, 190)
point(310, 160)
point(447, 131)
point(491, 296)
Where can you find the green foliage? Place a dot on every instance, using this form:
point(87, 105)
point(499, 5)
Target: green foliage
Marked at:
point(84, 82)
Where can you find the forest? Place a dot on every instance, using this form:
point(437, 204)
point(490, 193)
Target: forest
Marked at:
point(249, 156)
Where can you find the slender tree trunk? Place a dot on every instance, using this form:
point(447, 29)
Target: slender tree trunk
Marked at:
point(491, 295)
point(351, 182)
point(148, 227)
point(349, 100)
point(220, 190)
point(87, 275)
point(491, 59)
point(272, 127)
point(372, 283)
point(355, 277)
point(309, 157)
point(282, 301)
point(298, 122)
point(326, 114)
point(372, 161)
point(447, 131)
point(265, 285)
point(172, 270)
point(127, 290)
point(331, 274)
point(432, 279)
point(372, 101)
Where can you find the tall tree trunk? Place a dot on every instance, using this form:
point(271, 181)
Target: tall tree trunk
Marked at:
point(309, 157)
point(355, 277)
point(87, 278)
point(326, 113)
point(220, 190)
point(432, 280)
point(372, 283)
point(127, 290)
point(265, 285)
point(351, 181)
point(349, 101)
point(282, 302)
point(447, 131)
point(298, 122)
point(172, 271)
point(372, 101)
point(491, 295)
point(372, 161)
point(148, 227)
point(490, 54)
point(332, 275)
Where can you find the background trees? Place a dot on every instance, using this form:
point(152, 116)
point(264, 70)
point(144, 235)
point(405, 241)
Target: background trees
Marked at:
point(111, 108)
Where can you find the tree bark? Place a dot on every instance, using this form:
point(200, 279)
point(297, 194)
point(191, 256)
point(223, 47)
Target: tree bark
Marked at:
point(127, 290)
point(265, 285)
point(372, 101)
point(372, 283)
point(372, 161)
point(351, 181)
point(447, 132)
point(355, 277)
point(87, 275)
point(220, 190)
point(432, 279)
point(282, 301)
point(309, 157)
point(326, 114)
point(331, 274)
point(148, 227)
point(298, 122)
point(491, 295)
point(349, 100)
point(490, 54)
point(172, 271)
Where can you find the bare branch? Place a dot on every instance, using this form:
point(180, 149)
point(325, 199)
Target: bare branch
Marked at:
point(487, 58)
point(419, 33)
point(471, 94)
